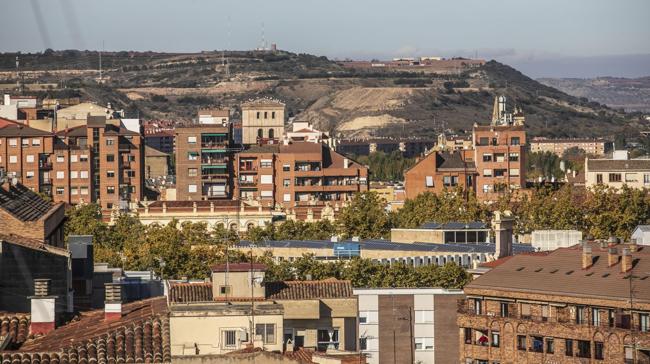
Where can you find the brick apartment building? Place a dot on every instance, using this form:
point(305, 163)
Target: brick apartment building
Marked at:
point(571, 305)
point(101, 161)
point(441, 170)
point(204, 161)
point(595, 146)
point(499, 153)
point(296, 173)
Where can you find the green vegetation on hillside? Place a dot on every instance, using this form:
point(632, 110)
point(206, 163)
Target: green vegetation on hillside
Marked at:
point(386, 167)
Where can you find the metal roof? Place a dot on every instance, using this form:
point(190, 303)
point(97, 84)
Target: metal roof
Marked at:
point(387, 245)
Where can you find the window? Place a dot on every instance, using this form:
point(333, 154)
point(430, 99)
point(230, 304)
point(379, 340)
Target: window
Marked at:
point(478, 306)
point(73, 158)
point(191, 140)
point(83, 158)
point(515, 141)
point(110, 158)
point(369, 317)
point(630, 177)
point(423, 343)
point(568, 347)
point(550, 345)
point(29, 158)
point(483, 141)
point(191, 188)
point(644, 322)
point(450, 181)
point(266, 163)
point(545, 311)
point(271, 133)
point(595, 317)
point(266, 115)
point(83, 174)
point(521, 342)
point(286, 197)
point(110, 190)
point(13, 159)
point(36, 142)
point(646, 179)
point(60, 159)
point(615, 177)
point(192, 156)
point(514, 172)
point(30, 174)
point(229, 338)
point(513, 157)
point(584, 349)
point(74, 174)
point(266, 194)
point(537, 344)
point(60, 175)
point(60, 190)
point(266, 179)
point(286, 168)
point(286, 182)
point(265, 332)
point(496, 339)
point(487, 173)
point(487, 157)
point(468, 335)
point(74, 190)
point(13, 142)
point(525, 311)
point(192, 172)
point(257, 115)
point(423, 316)
point(504, 309)
point(25, 142)
point(109, 205)
point(580, 315)
point(599, 350)
point(429, 181)
point(110, 141)
point(327, 338)
point(260, 133)
point(599, 178)
point(363, 343)
point(83, 190)
point(499, 157)
point(224, 290)
point(499, 172)
point(486, 188)
point(110, 174)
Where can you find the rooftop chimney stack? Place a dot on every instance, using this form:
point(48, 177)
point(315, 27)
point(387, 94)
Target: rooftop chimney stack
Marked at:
point(503, 224)
point(633, 246)
point(113, 302)
point(43, 311)
point(626, 260)
point(587, 257)
point(612, 256)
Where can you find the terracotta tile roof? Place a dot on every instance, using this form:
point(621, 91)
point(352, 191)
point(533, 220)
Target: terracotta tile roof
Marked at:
point(141, 335)
point(560, 273)
point(32, 244)
point(300, 354)
point(190, 292)
point(498, 262)
point(618, 165)
point(238, 267)
point(302, 147)
point(14, 325)
point(308, 290)
point(23, 203)
point(20, 130)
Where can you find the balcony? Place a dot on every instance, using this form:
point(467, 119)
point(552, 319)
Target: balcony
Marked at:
point(125, 147)
point(248, 183)
point(45, 165)
point(46, 181)
point(126, 164)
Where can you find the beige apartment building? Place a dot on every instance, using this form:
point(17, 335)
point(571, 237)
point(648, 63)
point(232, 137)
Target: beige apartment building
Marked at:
point(296, 173)
point(238, 309)
point(617, 171)
point(595, 146)
point(262, 121)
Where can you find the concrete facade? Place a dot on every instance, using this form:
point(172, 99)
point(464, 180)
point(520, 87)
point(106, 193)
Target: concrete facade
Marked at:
point(262, 121)
point(596, 147)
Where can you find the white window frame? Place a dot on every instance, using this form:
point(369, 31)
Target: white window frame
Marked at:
point(13, 142)
point(73, 158)
point(428, 181)
point(423, 316)
point(60, 159)
point(191, 140)
point(425, 343)
point(286, 197)
point(29, 158)
point(13, 159)
point(83, 174)
point(266, 179)
point(60, 175)
point(74, 174)
point(266, 194)
point(192, 188)
point(36, 142)
point(83, 190)
point(368, 317)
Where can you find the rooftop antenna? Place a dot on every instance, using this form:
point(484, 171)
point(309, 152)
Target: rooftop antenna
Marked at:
point(263, 45)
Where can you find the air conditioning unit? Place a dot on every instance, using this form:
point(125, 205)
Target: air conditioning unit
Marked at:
point(243, 336)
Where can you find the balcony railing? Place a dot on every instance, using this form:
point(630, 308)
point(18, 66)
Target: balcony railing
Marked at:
point(44, 165)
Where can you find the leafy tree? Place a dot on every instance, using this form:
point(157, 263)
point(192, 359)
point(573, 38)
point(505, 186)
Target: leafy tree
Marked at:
point(85, 220)
point(365, 217)
point(543, 164)
point(386, 167)
point(449, 205)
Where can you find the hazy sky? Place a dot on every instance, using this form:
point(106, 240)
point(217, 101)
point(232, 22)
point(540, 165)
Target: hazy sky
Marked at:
point(523, 33)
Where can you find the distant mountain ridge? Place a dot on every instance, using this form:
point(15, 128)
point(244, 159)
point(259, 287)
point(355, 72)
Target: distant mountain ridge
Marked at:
point(402, 102)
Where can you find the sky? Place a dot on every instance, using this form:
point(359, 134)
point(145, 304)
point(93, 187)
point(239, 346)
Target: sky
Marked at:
point(542, 38)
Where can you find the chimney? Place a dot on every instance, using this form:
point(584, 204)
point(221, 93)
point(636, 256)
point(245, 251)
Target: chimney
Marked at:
point(43, 312)
point(626, 260)
point(503, 224)
point(113, 302)
point(7, 99)
point(633, 246)
point(587, 257)
point(346, 163)
point(612, 256)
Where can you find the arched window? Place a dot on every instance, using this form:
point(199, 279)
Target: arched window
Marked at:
point(260, 133)
point(270, 133)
